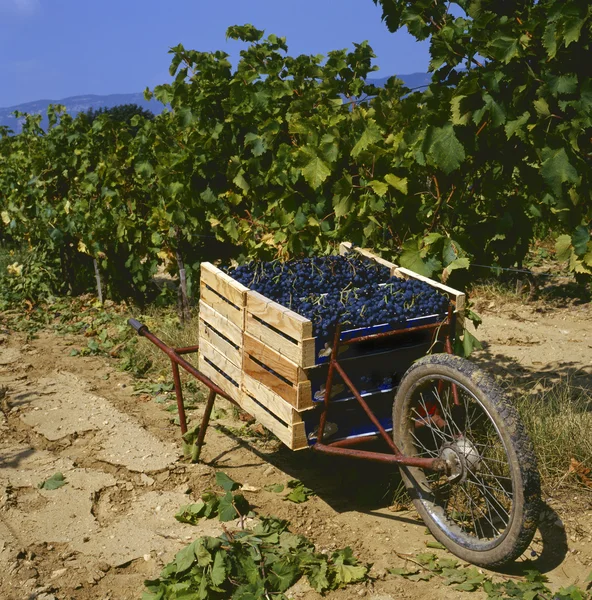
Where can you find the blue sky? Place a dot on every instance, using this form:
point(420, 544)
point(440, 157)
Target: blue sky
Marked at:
point(52, 49)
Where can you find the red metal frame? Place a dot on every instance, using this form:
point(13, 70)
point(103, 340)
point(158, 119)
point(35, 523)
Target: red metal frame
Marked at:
point(338, 448)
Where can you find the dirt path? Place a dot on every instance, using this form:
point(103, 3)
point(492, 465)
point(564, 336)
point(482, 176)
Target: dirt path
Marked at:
point(112, 526)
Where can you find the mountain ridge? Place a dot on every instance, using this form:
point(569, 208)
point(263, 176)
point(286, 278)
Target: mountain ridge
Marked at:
point(78, 104)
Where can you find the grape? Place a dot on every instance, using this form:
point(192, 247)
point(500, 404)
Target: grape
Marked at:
point(348, 289)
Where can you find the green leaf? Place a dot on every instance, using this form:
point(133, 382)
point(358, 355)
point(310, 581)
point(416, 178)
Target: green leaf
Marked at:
point(316, 172)
point(283, 575)
point(185, 558)
point(459, 263)
point(300, 493)
point(399, 183)
point(227, 484)
point(185, 116)
point(349, 573)
point(563, 247)
point(513, 127)
point(371, 134)
point(443, 148)
point(436, 545)
point(276, 488)
point(467, 586)
point(563, 84)
point(504, 48)
point(145, 169)
point(57, 480)
point(411, 258)
point(542, 107)
point(219, 570)
point(380, 188)
point(317, 577)
point(470, 343)
point(191, 513)
point(226, 510)
point(342, 205)
point(556, 169)
point(580, 239)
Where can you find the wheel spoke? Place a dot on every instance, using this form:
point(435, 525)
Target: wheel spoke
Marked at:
point(477, 498)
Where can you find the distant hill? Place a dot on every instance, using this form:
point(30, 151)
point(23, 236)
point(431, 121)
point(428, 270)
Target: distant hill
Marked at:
point(78, 104)
point(75, 105)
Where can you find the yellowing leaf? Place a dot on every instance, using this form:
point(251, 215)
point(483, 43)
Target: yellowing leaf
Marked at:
point(82, 247)
point(5, 217)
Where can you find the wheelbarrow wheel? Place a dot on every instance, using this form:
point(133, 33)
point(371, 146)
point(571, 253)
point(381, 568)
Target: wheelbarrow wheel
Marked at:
point(486, 508)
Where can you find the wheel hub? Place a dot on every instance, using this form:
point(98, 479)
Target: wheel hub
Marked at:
point(461, 457)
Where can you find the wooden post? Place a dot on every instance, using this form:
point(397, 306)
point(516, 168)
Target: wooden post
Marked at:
point(98, 278)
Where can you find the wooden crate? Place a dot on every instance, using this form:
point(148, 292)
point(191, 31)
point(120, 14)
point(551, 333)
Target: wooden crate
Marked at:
point(262, 354)
point(234, 360)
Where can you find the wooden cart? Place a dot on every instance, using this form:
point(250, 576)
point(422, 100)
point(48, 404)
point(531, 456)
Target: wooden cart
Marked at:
point(449, 426)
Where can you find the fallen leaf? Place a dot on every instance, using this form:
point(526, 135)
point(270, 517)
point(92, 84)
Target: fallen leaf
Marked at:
point(581, 471)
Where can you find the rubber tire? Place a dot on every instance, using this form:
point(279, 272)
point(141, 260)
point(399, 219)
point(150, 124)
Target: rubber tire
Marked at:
point(523, 467)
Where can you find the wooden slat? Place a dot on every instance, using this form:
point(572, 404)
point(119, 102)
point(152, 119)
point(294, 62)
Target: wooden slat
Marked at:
point(278, 406)
point(274, 360)
point(211, 353)
point(299, 395)
point(219, 379)
point(214, 301)
point(220, 323)
point(303, 354)
point(293, 436)
point(223, 284)
point(283, 319)
point(210, 335)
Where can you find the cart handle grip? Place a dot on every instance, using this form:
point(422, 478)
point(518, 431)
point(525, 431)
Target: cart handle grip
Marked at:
point(137, 326)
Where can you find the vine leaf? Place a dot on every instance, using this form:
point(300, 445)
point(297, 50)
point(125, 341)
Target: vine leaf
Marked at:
point(399, 183)
point(556, 169)
point(316, 172)
point(443, 148)
point(227, 484)
point(370, 135)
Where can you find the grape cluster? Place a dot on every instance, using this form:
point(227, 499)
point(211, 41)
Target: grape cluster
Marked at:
point(309, 276)
point(353, 291)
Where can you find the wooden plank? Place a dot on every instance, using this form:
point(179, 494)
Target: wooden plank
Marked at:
point(292, 436)
point(303, 354)
point(232, 290)
point(210, 335)
point(212, 354)
point(274, 360)
point(214, 301)
point(346, 247)
point(219, 379)
point(274, 403)
point(220, 323)
point(299, 439)
point(299, 395)
point(283, 319)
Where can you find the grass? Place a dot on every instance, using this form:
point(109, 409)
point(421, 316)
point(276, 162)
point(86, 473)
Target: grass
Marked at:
point(558, 419)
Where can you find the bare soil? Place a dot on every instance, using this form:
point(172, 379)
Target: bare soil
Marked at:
point(112, 526)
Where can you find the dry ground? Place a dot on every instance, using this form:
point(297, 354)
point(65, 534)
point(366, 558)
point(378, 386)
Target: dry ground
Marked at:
point(112, 525)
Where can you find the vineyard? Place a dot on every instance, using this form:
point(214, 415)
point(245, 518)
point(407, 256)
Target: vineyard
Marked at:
point(287, 156)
